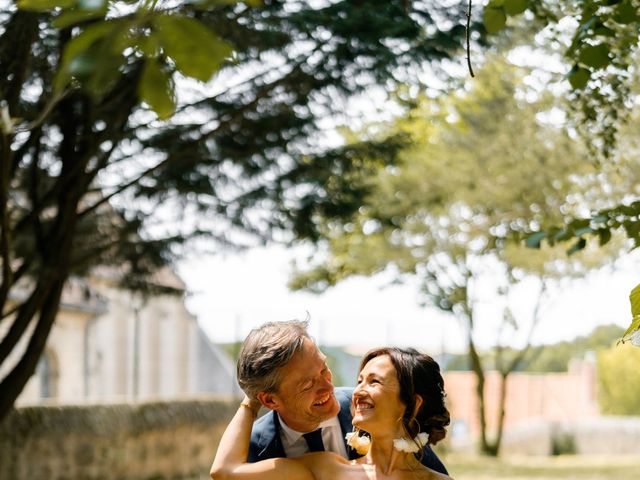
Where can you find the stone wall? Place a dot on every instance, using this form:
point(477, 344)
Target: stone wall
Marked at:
point(150, 441)
point(594, 436)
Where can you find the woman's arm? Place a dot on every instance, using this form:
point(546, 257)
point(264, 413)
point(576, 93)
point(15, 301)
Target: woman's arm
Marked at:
point(231, 458)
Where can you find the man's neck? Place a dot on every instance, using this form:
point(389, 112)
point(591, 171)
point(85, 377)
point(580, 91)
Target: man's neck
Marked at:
point(302, 427)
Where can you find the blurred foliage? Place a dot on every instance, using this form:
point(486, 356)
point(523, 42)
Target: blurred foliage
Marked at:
point(481, 162)
point(600, 42)
point(599, 39)
point(556, 357)
point(553, 357)
point(130, 129)
point(619, 380)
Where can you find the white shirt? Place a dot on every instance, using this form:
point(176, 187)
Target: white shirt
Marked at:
point(295, 445)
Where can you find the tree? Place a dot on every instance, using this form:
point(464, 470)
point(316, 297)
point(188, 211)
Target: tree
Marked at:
point(619, 381)
point(556, 357)
point(482, 161)
point(91, 176)
point(599, 39)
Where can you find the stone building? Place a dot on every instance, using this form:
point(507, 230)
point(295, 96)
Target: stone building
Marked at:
point(109, 344)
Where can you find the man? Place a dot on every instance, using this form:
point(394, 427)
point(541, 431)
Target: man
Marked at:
point(282, 367)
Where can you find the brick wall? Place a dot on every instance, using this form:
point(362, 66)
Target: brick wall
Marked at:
point(565, 396)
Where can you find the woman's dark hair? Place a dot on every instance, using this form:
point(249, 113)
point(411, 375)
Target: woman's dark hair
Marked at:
point(418, 374)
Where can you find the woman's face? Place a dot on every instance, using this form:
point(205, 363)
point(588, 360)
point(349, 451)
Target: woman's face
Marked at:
point(376, 401)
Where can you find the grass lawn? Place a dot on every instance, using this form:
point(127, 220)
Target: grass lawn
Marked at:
point(569, 467)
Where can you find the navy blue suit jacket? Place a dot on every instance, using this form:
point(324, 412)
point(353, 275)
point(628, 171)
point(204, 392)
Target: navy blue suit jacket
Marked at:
point(266, 442)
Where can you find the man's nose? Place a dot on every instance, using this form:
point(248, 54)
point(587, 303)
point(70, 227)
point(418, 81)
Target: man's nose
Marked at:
point(326, 381)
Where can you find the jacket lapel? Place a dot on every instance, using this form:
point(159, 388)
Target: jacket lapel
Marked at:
point(269, 443)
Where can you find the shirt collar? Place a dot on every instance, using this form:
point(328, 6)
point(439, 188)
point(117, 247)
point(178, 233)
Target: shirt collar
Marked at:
point(293, 435)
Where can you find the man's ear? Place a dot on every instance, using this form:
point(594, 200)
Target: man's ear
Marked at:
point(417, 406)
point(268, 400)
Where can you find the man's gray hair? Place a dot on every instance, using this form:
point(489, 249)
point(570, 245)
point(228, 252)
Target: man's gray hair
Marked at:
point(265, 351)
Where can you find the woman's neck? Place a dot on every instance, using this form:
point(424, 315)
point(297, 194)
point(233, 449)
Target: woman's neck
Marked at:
point(386, 458)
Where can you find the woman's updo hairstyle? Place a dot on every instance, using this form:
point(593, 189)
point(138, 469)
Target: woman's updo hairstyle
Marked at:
point(418, 374)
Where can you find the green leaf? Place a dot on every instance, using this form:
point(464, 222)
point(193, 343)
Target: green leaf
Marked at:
point(578, 77)
point(515, 7)
point(604, 31)
point(533, 241)
point(156, 89)
point(83, 64)
point(562, 234)
point(73, 17)
point(635, 325)
point(634, 298)
point(149, 45)
point(196, 50)
point(596, 56)
point(219, 3)
point(604, 235)
point(582, 231)
point(579, 245)
point(44, 5)
point(76, 46)
point(494, 19)
point(586, 25)
point(92, 4)
point(626, 13)
point(105, 72)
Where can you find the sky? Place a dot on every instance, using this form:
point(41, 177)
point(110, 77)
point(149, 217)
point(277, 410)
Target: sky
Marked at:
point(230, 294)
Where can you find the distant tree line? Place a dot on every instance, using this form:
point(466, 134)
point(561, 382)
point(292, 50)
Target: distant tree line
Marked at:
point(554, 357)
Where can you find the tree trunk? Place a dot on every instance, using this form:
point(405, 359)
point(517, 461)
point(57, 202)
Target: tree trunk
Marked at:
point(478, 370)
point(16, 380)
point(45, 301)
point(502, 401)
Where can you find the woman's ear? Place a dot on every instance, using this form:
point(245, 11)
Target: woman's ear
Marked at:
point(418, 404)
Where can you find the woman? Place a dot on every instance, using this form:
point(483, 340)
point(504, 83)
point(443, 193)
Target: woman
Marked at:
point(398, 406)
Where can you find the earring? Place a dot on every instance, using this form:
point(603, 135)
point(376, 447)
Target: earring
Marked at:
point(414, 444)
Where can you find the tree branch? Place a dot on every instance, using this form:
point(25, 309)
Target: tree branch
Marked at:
point(5, 222)
point(468, 35)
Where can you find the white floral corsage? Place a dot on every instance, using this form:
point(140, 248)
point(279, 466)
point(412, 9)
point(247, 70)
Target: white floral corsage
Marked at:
point(411, 446)
point(359, 443)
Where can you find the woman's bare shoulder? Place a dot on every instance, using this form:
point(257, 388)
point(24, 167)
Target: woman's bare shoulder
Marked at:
point(433, 475)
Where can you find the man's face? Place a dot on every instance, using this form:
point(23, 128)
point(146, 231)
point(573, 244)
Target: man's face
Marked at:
point(304, 397)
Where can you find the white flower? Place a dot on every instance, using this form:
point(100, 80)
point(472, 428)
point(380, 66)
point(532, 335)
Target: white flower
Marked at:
point(411, 446)
point(635, 338)
point(359, 443)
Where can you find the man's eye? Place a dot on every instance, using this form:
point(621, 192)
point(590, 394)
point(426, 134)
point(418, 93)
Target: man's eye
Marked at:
point(307, 387)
